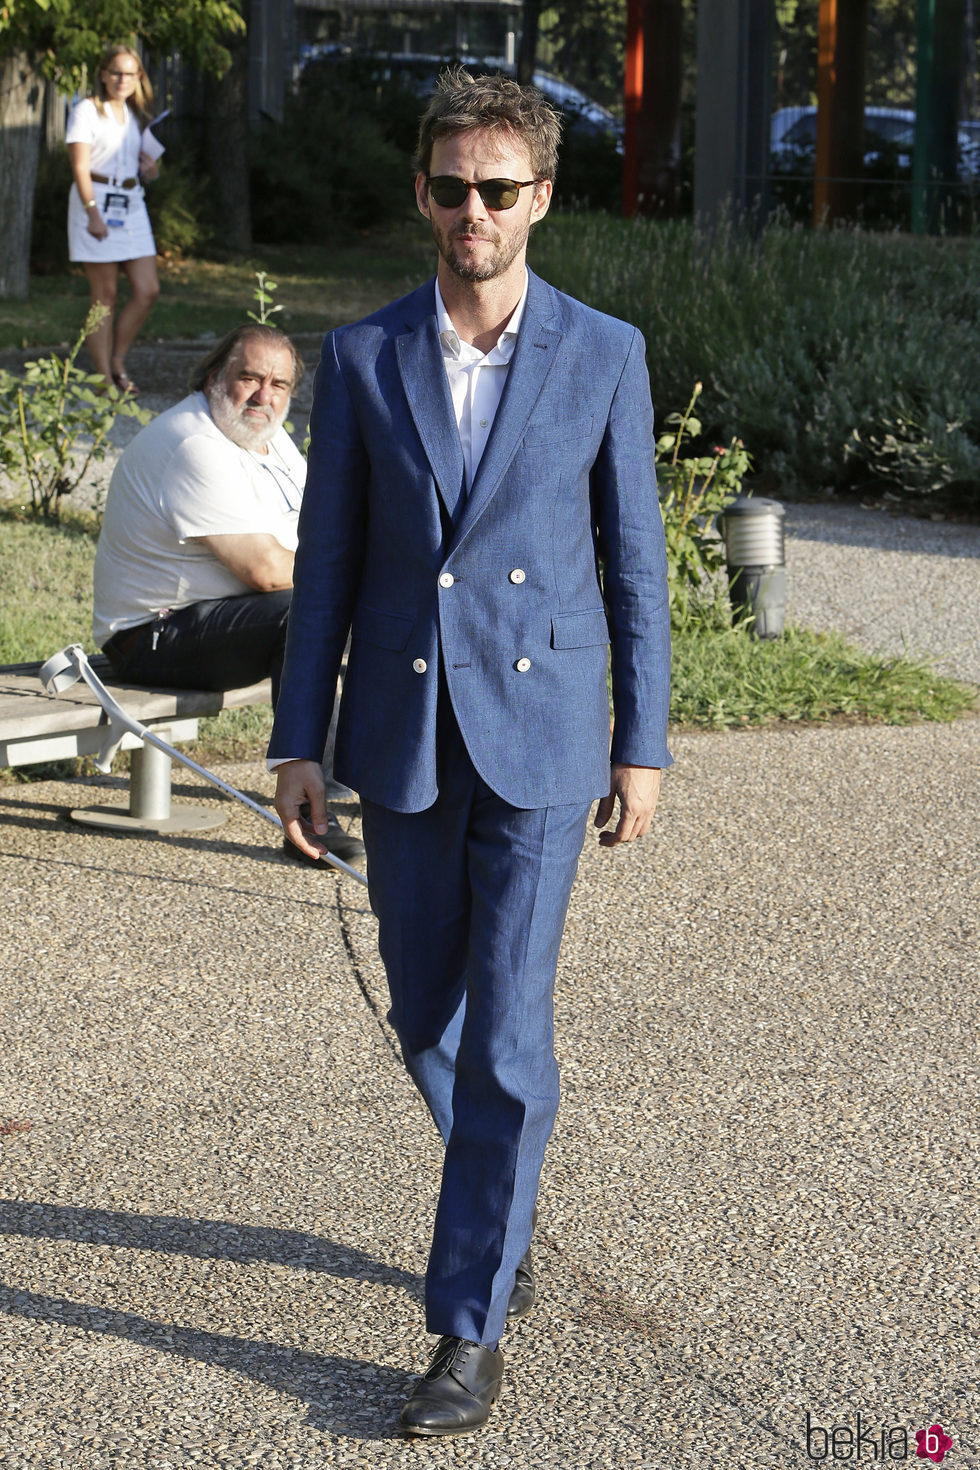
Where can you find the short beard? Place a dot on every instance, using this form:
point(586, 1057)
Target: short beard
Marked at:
point(231, 420)
point(494, 266)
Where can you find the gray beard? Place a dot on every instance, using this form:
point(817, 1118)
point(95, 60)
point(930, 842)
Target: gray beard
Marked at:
point(230, 421)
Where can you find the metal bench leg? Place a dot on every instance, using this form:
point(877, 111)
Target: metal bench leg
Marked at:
point(150, 808)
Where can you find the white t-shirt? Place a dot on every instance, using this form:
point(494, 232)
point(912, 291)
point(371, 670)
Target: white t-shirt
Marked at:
point(115, 146)
point(182, 477)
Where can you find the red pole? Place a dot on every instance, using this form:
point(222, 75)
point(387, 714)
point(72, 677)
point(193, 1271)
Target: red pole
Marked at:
point(633, 101)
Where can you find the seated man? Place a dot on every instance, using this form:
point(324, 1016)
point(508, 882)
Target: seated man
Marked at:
point(194, 567)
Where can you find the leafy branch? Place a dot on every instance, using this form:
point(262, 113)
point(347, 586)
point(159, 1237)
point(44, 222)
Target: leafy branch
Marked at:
point(263, 293)
point(55, 421)
point(694, 490)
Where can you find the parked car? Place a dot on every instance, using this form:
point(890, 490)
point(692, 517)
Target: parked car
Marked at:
point(793, 131)
point(419, 72)
point(889, 140)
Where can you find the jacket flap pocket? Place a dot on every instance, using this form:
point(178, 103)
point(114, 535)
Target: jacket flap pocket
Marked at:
point(558, 435)
point(384, 630)
point(579, 629)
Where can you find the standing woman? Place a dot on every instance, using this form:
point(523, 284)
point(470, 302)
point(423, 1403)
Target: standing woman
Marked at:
point(108, 225)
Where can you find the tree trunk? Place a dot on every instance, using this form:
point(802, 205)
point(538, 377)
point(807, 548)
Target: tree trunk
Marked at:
point(226, 143)
point(528, 50)
point(841, 69)
point(659, 121)
point(21, 110)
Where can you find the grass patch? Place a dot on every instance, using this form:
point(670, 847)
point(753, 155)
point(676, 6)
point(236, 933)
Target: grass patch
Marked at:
point(725, 678)
point(45, 584)
point(318, 288)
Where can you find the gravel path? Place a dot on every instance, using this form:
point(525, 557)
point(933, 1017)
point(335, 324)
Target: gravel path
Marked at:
point(891, 583)
point(761, 1200)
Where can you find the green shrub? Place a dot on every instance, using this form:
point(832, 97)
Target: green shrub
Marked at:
point(55, 420)
point(179, 209)
point(813, 346)
point(694, 490)
point(333, 165)
point(590, 172)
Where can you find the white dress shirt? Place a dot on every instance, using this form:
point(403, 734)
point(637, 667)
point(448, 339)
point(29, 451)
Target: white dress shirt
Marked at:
point(476, 385)
point(476, 379)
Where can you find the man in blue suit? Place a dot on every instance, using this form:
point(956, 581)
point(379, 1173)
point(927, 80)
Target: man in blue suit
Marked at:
point(481, 516)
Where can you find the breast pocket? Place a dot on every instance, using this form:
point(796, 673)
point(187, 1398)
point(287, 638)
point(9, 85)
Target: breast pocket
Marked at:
point(559, 435)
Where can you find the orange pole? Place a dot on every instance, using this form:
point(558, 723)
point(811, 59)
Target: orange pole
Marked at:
point(823, 190)
point(633, 102)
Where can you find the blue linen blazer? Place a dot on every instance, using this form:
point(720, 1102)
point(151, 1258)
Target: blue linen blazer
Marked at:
point(511, 594)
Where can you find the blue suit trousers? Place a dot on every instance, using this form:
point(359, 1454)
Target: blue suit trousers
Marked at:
point(471, 896)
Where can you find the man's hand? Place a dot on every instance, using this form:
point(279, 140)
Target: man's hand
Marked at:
point(298, 782)
point(637, 788)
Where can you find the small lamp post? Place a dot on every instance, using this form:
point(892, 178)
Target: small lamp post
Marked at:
point(755, 551)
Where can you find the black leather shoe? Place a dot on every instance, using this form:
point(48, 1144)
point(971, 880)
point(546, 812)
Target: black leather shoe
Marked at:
point(522, 1294)
point(458, 1390)
point(342, 844)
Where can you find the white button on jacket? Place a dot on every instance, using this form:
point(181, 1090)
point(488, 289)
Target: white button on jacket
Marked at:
point(447, 579)
point(518, 575)
point(420, 666)
point(522, 665)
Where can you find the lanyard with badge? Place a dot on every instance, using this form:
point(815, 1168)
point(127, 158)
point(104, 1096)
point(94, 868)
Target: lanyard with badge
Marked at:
point(115, 210)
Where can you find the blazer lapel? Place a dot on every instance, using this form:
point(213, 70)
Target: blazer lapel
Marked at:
point(534, 357)
point(423, 375)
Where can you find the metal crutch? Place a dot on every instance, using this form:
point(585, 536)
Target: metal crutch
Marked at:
point(63, 670)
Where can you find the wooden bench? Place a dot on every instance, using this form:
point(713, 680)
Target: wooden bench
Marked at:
point(37, 727)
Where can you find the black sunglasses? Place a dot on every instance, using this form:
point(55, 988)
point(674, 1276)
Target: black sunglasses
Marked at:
point(449, 192)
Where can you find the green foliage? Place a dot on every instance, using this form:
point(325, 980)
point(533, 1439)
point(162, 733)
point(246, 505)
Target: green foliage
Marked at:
point(585, 40)
point(66, 38)
point(319, 288)
point(264, 298)
point(916, 454)
point(180, 210)
point(810, 344)
point(726, 677)
point(356, 174)
point(55, 420)
point(694, 490)
point(590, 172)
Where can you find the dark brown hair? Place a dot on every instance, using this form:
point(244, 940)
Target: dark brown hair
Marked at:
point(494, 104)
point(217, 359)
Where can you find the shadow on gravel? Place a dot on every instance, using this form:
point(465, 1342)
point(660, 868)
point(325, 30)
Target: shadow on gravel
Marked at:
point(344, 1396)
point(217, 1240)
